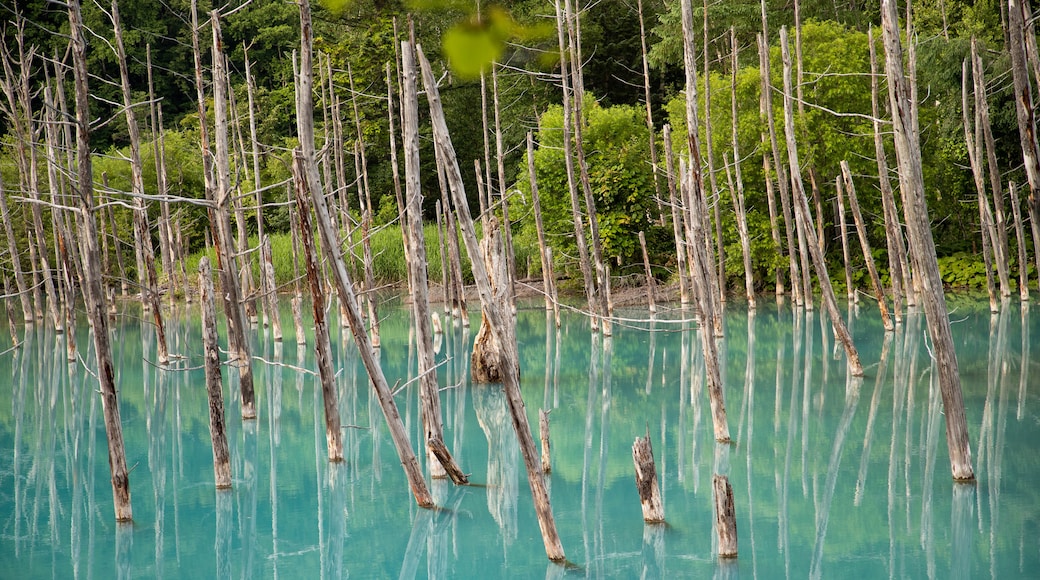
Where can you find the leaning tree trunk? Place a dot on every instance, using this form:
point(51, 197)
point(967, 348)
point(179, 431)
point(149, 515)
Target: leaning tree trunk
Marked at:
point(908, 156)
point(501, 322)
point(801, 204)
point(974, 147)
point(864, 243)
point(92, 287)
point(344, 285)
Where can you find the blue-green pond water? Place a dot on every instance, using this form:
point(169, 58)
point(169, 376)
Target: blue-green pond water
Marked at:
point(832, 476)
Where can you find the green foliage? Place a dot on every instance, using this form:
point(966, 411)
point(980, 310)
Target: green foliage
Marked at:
point(617, 150)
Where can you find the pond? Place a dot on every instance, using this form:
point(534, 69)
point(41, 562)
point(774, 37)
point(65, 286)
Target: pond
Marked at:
point(831, 475)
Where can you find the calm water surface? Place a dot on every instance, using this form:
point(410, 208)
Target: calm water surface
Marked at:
point(832, 476)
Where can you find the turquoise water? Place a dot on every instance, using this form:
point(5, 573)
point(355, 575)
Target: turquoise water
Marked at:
point(831, 475)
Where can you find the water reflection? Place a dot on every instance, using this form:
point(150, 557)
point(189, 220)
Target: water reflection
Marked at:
point(875, 500)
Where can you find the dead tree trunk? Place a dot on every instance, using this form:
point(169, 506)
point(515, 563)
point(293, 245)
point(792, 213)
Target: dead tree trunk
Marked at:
point(650, 129)
point(651, 284)
point(997, 226)
point(16, 264)
point(366, 221)
point(223, 242)
point(333, 436)
point(344, 286)
point(148, 278)
point(269, 296)
point(1023, 271)
point(738, 194)
point(864, 243)
point(93, 289)
point(501, 322)
point(1024, 108)
point(719, 250)
point(702, 265)
point(548, 277)
point(781, 175)
point(584, 262)
point(646, 480)
point(677, 220)
point(162, 188)
point(214, 388)
point(897, 263)
point(725, 516)
point(802, 207)
point(908, 155)
point(974, 153)
point(429, 395)
point(850, 290)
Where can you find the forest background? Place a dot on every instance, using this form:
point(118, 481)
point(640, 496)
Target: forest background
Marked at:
point(357, 39)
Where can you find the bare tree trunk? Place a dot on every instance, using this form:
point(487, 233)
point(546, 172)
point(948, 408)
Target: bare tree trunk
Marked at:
point(974, 153)
point(578, 121)
point(739, 207)
point(719, 251)
point(366, 221)
point(908, 155)
point(702, 265)
point(797, 290)
point(1025, 115)
point(162, 189)
point(149, 279)
point(93, 290)
point(501, 322)
point(221, 199)
point(850, 289)
point(267, 291)
point(646, 480)
point(725, 516)
point(584, 261)
point(651, 284)
point(16, 265)
point(651, 131)
point(344, 286)
point(548, 276)
point(868, 256)
point(271, 287)
point(897, 262)
point(429, 394)
point(998, 230)
point(678, 226)
point(214, 387)
point(507, 232)
point(802, 207)
point(1023, 271)
point(323, 350)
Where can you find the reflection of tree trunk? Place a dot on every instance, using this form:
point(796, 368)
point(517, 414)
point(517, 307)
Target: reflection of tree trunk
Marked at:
point(502, 472)
point(852, 388)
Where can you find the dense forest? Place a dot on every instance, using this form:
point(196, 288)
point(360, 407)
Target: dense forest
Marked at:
point(490, 108)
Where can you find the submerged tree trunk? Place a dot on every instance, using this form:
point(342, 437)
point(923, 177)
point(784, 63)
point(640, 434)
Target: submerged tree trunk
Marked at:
point(92, 287)
point(16, 265)
point(974, 147)
point(908, 156)
point(548, 276)
point(1024, 108)
point(1023, 272)
point(214, 388)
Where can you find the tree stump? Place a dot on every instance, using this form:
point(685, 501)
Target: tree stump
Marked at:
point(646, 480)
point(486, 360)
point(725, 516)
